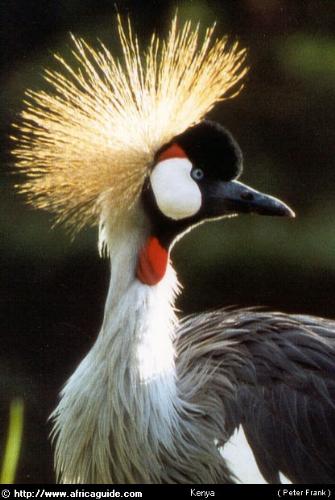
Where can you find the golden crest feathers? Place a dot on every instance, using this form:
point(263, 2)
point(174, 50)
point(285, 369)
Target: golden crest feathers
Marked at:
point(95, 134)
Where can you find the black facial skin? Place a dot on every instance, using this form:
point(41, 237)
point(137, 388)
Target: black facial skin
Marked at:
point(217, 162)
point(211, 148)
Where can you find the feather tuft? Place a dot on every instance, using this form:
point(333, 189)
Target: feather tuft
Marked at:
point(92, 138)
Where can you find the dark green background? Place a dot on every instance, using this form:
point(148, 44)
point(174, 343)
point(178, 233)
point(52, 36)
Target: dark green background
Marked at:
point(52, 291)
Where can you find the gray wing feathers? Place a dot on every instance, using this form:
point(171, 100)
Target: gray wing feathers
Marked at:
point(274, 374)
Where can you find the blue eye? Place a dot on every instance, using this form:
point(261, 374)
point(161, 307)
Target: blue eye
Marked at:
point(197, 174)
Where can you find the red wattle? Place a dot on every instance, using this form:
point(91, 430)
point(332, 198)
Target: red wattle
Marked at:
point(152, 262)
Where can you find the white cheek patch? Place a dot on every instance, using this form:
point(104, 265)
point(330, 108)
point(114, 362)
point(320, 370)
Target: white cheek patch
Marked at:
point(177, 195)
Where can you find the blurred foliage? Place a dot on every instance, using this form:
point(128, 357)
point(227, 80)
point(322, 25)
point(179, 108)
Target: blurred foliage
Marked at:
point(309, 58)
point(13, 445)
point(53, 290)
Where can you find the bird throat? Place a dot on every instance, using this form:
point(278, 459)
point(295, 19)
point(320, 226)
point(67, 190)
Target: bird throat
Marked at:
point(119, 407)
point(152, 262)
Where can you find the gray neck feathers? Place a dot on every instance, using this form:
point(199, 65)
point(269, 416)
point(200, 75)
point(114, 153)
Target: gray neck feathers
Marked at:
point(120, 402)
point(124, 417)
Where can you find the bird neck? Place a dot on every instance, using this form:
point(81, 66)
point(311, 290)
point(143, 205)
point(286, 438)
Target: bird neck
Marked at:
point(122, 398)
point(139, 319)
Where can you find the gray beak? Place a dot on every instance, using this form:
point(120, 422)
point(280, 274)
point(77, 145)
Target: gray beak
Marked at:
point(234, 197)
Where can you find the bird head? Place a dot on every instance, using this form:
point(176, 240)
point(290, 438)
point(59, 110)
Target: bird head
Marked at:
point(114, 135)
point(194, 179)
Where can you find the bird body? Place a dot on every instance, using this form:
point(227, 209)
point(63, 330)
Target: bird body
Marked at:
point(156, 398)
point(274, 375)
point(147, 430)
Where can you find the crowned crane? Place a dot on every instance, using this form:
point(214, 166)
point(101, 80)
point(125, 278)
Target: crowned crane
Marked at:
point(125, 144)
